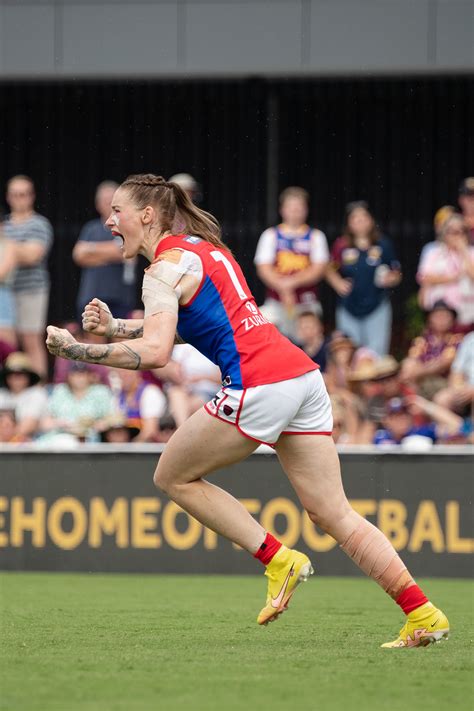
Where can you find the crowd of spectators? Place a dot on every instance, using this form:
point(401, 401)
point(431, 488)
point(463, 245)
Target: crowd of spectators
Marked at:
point(424, 396)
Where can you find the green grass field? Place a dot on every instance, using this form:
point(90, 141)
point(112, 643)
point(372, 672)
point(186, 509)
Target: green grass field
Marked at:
point(116, 642)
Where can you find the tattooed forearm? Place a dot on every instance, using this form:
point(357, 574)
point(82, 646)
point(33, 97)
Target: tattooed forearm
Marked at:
point(124, 330)
point(118, 354)
point(135, 358)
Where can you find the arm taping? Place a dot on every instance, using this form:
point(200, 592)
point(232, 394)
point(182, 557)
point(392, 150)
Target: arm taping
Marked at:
point(161, 289)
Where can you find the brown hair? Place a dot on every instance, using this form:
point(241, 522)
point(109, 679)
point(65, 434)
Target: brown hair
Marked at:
point(174, 205)
point(294, 192)
point(374, 233)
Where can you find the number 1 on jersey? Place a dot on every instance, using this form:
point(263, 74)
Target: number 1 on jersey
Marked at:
point(219, 257)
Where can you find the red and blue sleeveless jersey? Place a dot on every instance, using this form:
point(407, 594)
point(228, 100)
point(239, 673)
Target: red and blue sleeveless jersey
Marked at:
point(224, 323)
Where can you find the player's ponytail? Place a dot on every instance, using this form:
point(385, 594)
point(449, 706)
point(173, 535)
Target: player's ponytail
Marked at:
point(177, 211)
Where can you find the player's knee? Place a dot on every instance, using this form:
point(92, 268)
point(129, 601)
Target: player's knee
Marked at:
point(329, 516)
point(320, 519)
point(161, 480)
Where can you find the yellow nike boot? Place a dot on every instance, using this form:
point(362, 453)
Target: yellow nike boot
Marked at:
point(285, 571)
point(424, 625)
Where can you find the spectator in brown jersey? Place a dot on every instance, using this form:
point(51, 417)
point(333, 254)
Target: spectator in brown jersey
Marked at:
point(291, 259)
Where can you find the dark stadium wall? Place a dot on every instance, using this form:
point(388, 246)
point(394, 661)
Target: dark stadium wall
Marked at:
point(402, 144)
point(58, 511)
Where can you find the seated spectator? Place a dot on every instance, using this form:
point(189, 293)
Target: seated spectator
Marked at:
point(79, 406)
point(8, 427)
point(430, 355)
point(33, 237)
point(142, 404)
point(459, 395)
point(466, 203)
point(310, 336)
point(116, 430)
point(399, 421)
point(363, 270)
point(8, 263)
point(20, 392)
point(440, 218)
point(291, 259)
point(340, 352)
point(198, 383)
point(447, 273)
point(105, 274)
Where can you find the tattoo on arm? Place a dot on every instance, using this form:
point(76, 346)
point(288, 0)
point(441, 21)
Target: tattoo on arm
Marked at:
point(123, 331)
point(101, 352)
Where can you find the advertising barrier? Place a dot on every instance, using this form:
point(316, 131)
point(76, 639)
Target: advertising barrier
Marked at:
point(97, 510)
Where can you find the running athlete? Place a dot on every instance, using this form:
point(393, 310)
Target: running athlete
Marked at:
point(271, 393)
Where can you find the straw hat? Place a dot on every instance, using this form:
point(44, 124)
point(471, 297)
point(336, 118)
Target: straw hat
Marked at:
point(18, 362)
point(385, 367)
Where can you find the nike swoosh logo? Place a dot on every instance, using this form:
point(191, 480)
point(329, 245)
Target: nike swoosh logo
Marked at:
point(276, 601)
point(435, 622)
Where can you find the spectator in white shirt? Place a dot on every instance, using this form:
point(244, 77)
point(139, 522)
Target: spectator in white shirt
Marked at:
point(291, 259)
point(20, 392)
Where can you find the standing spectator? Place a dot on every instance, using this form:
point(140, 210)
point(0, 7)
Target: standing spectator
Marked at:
point(363, 270)
point(439, 220)
point(310, 337)
point(189, 185)
point(33, 236)
point(20, 392)
point(447, 273)
point(8, 261)
point(430, 355)
point(105, 274)
point(466, 203)
point(291, 259)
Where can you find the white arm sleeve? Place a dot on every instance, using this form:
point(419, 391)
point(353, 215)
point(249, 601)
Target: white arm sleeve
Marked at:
point(266, 247)
point(319, 247)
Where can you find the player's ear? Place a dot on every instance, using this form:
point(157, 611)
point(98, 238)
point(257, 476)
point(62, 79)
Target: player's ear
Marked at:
point(148, 215)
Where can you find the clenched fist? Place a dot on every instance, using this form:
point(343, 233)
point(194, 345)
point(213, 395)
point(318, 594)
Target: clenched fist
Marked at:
point(60, 342)
point(97, 318)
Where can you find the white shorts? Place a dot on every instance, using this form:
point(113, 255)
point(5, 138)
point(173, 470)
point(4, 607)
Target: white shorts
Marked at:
point(263, 413)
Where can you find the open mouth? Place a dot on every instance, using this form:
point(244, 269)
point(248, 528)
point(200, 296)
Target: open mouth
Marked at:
point(116, 233)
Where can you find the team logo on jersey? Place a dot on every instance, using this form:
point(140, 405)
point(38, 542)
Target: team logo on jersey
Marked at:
point(373, 255)
point(192, 239)
point(256, 318)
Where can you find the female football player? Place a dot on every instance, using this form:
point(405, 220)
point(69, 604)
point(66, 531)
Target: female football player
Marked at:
point(272, 392)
